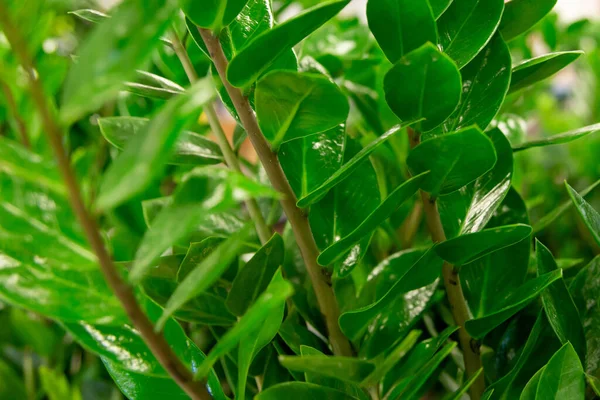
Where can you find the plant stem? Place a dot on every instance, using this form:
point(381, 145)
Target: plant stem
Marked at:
point(12, 106)
point(297, 217)
point(456, 298)
point(264, 233)
point(155, 341)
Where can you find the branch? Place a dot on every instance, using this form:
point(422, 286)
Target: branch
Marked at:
point(155, 341)
point(12, 106)
point(296, 216)
point(456, 298)
point(264, 233)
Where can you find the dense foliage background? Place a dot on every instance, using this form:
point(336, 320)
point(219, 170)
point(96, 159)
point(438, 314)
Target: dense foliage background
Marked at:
point(40, 357)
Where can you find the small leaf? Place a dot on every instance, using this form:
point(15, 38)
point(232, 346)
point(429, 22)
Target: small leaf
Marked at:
point(247, 65)
point(462, 390)
point(112, 53)
point(590, 217)
point(467, 26)
point(190, 148)
point(515, 302)
point(594, 383)
point(454, 160)
point(205, 274)
point(563, 376)
point(291, 105)
point(401, 26)
point(56, 386)
point(145, 155)
point(255, 276)
point(470, 247)
point(212, 14)
point(347, 369)
point(423, 84)
point(90, 15)
point(559, 139)
point(301, 391)
point(537, 69)
point(521, 15)
point(530, 390)
point(153, 86)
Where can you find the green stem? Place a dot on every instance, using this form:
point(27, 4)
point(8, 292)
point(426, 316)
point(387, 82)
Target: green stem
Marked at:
point(297, 217)
point(264, 233)
point(158, 345)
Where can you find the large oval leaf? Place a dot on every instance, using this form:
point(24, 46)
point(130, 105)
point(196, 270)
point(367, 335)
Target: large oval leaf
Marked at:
point(537, 69)
point(563, 376)
point(521, 15)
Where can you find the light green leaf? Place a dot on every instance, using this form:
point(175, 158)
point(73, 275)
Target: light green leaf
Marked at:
point(462, 390)
point(55, 385)
point(90, 15)
point(153, 86)
point(347, 369)
point(530, 390)
point(563, 377)
point(301, 391)
point(537, 69)
point(212, 14)
point(590, 217)
point(439, 7)
point(559, 139)
point(521, 15)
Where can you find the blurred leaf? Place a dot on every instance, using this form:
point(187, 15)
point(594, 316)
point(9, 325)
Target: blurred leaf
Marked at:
point(563, 377)
point(521, 15)
point(111, 54)
point(146, 153)
point(11, 385)
point(401, 26)
point(212, 14)
point(559, 139)
point(153, 86)
point(467, 26)
point(454, 160)
point(347, 369)
point(462, 390)
point(247, 65)
point(301, 391)
point(594, 384)
point(590, 217)
point(190, 149)
point(537, 69)
point(56, 386)
point(423, 84)
point(90, 15)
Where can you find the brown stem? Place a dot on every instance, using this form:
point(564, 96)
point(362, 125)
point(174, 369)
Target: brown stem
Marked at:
point(264, 233)
point(12, 106)
point(458, 305)
point(155, 341)
point(298, 219)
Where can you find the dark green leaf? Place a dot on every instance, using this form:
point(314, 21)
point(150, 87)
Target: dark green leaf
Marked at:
point(190, 148)
point(559, 139)
point(454, 160)
point(423, 84)
point(347, 369)
point(301, 391)
point(212, 14)
point(467, 26)
point(392, 359)
point(521, 15)
point(247, 65)
point(537, 69)
point(401, 26)
point(11, 385)
point(530, 390)
point(470, 247)
point(590, 217)
point(291, 105)
point(563, 377)
point(146, 153)
point(110, 56)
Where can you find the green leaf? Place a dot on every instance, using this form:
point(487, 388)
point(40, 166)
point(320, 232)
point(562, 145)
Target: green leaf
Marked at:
point(247, 65)
point(590, 217)
point(401, 26)
point(470, 247)
point(11, 385)
point(521, 15)
point(342, 246)
point(291, 105)
point(255, 276)
point(212, 14)
point(439, 7)
point(559, 139)
point(530, 390)
point(56, 386)
point(594, 384)
point(558, 304)
point(563, 377)
point(347, 369)
point(462, 390)
point(391, 360)
point(205, 274)
point(190, 149)
point(90, 15)
point(296, 335)
point(485, 82)
point(112, 53)
point(467, 26)
point(267, 303)
point(454, 160)
point(539, 68)
point(145, 155)
point(153, 86)
point(423, 84)
point(515, 302)
point(301, 391)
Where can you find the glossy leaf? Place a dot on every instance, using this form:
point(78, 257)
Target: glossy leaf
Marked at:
point(153, 86)
point(291, 105)
point(212, 14)
point(423, 84)
point(112, 53)
point(301, 391)
point(590, 217)
point(190, 149)
point(515, 302)
point(485, 82)
point(401, 26)
point(247, 66)
point(255, 276)
point(467, 26)
point(145, 155)
point(402, 193)
point(563, 377)
point(454, 160)
point(470, 247)
point(347, 369)
point(558, 304)
point(521, 15)
point(537, 69)
point(559, 139)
